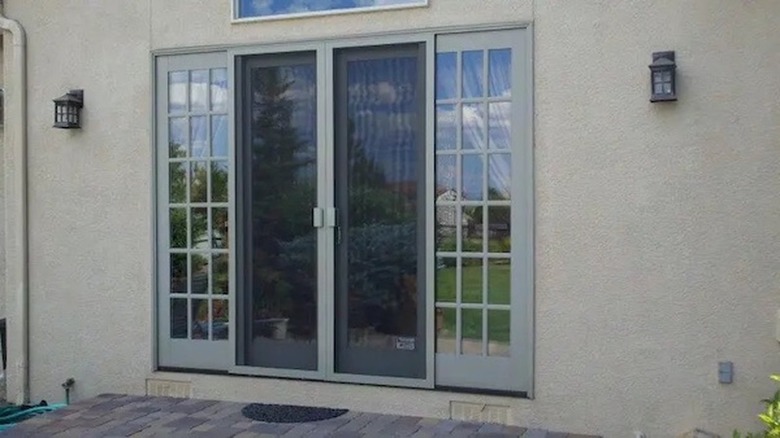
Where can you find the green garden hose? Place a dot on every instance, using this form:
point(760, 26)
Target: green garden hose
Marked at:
point(11, 415)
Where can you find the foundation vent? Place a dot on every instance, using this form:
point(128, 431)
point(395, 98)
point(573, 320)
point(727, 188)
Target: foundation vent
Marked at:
point(479, 412)
point(168, 388)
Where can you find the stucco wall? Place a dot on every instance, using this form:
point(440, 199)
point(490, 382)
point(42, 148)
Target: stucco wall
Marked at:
point(2, 199)
point(90, 198)
point(657, 228)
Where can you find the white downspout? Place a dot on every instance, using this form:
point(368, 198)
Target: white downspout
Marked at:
point(17, 270)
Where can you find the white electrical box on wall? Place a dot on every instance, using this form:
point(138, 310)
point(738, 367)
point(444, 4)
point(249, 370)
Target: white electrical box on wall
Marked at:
point(777, 326)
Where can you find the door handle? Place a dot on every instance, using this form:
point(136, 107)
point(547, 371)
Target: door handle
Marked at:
point(316, 218)
point(332, 221)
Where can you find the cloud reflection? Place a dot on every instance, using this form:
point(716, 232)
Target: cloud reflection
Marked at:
point(267, 8)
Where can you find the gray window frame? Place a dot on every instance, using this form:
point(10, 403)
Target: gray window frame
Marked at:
point(234, 8)
point(490, 372)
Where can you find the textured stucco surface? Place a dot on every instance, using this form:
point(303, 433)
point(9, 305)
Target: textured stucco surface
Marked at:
point(2, 201)
point(657, 226)
point(90, 202)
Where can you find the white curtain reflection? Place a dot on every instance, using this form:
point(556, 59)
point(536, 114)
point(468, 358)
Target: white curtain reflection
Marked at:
point(219, 90)
point(499, 176)
point(219, 137)
point(473, 78)
point(499, 71)
point(446, 75)
point(199, 90)
point(499, 120)
point(198, 139)
point(177, 91)
point(473, 120)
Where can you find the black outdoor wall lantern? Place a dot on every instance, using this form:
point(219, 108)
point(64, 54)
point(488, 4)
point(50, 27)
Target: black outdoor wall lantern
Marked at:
point(663, 78)
point(67, 110)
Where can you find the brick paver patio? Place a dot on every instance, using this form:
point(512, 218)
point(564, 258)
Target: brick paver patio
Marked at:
point(112, 415)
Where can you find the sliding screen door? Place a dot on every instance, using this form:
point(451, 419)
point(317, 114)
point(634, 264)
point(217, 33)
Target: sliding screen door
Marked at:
point(380, 196)
point(278, 157)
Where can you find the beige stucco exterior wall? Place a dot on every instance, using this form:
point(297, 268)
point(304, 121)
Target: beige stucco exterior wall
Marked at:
point(657, 226)
point(2, 199)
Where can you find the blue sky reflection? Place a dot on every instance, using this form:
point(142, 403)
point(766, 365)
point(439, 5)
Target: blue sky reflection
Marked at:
point(270, 8)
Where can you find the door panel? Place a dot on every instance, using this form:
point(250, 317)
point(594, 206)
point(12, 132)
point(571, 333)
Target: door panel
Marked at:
point(193, 170)
point(484, 246)
point(380, 197)
point(279, 174)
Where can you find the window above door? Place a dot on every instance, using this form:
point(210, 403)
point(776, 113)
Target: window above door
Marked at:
point(252, 10)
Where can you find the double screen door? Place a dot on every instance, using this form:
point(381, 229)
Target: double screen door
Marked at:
point(348, 212)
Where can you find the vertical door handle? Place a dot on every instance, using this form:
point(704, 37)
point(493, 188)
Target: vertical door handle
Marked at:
point(316, 218)
point(332, 221)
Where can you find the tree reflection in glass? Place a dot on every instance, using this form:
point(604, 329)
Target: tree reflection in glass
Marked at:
point(381, 197)
point(283, 193)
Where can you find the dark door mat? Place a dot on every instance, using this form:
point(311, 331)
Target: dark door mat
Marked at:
point(289, 414)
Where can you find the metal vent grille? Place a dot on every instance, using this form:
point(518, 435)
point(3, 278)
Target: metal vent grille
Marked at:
point(479, 412)
point(168, 388)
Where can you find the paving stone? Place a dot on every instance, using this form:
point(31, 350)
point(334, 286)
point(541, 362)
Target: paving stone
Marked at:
point(191, 406)
point(126, 429)
point(215, 433)
point(112, 415)
point(515, 430)
point(155, 432)
point(270, 428)
point(34, 422)
point(358, 422)
point(378, 423)
point(100, 431)
point(186, 423)
point(205, 427)
point(428, 423)
point(445, 426)
point(242, 424)
point(299, 430)
point(403, 426)
point(126, 415)
point(107, 406)
point(167, 418)
point(219, 410)
point(247, 434)
point(468, 428)
point(76, 432)
point(491, 428)
point(326, 427)
point(346, 434)
point(494, 435)
point(423, 433)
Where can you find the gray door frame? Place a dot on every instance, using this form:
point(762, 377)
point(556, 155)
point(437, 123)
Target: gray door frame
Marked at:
point(491, 372)
point(184, 353)
point(326, 201)
point(225, 358)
